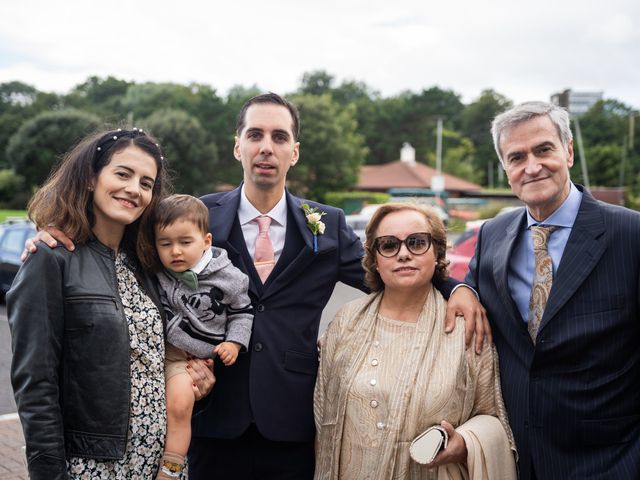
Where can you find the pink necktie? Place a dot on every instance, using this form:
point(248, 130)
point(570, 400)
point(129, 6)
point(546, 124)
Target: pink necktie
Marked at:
point(264, 260)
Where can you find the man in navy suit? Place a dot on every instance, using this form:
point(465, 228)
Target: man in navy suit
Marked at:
point(572, 390)
point(258, 421)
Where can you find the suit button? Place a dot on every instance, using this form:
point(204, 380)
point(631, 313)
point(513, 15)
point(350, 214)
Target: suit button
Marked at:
point(260, 308)
point(257, 347)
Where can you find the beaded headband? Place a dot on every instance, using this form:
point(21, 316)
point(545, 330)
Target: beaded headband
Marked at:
point(106, 142)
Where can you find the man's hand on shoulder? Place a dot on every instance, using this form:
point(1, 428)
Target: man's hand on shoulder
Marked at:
point(49, 236)
point(463, 301)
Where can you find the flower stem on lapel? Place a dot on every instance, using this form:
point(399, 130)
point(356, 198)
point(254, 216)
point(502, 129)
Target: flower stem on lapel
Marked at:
point(314, 223)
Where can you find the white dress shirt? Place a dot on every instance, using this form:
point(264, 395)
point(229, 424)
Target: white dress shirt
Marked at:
point(247, 214)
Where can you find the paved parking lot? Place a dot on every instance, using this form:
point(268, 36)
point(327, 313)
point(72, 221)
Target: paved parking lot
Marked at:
point(11, 442)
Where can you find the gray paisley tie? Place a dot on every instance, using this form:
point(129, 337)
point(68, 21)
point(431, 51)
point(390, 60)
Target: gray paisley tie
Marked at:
point(542, 278)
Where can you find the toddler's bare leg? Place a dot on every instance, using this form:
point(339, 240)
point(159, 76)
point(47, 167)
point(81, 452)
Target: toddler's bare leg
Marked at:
point(180, 400)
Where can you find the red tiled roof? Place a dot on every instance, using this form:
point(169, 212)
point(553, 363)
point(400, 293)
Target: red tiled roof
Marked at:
point(401, 174)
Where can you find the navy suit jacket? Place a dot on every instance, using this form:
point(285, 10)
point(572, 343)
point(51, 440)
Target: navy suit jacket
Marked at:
point(272, 384)
point(573, 398)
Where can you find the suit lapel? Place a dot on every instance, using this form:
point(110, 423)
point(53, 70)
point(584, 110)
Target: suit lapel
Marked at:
point(298, 250)
point(222, 217)
point(501, 267)
point(581, 254)
point(227, 234)
point(245, 260)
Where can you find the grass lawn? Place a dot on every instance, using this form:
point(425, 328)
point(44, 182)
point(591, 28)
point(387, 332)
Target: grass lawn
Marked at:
point(12, 213)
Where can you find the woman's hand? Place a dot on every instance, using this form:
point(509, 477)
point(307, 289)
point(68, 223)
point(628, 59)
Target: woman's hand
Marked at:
point(201, 371)
point(456, 451)
point(50, 236)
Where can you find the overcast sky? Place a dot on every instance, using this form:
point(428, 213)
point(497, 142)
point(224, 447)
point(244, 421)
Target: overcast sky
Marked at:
point(522, 49)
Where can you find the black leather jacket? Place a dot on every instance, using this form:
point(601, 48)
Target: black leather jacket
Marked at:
point(70, 368)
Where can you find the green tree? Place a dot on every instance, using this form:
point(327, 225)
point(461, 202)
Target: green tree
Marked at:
point(223, 124)
point(12, 191)
point(41, 141)
point(385, 133)
point(606, 122)
point(192, 159)
point(475, 122)
point(317, 82)
point(19, 102)
point(410, 117)
point(331, 150)
point(215, 116)
point(610, 135)
point(603, 162)
point(351, 91)
point(457, 156)
point(102, 96)
point(423, 112)
point(16, 93)
point(200, 101)
point(364, 99)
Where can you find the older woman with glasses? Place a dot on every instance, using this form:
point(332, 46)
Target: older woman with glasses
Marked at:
point(388, 372)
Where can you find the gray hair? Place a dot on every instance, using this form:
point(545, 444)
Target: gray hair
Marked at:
point(528, 111)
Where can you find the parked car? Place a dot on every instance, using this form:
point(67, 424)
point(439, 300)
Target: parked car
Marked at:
point(464, 247)
point(13, 234)
point(358, 223)
point(461, 253)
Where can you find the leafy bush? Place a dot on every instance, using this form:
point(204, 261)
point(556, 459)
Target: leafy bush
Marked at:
point(351, 202)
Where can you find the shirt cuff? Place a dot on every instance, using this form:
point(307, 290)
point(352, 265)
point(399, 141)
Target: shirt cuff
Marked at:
point(467, 286)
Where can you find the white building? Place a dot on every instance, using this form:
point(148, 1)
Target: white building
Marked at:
point(576, 103)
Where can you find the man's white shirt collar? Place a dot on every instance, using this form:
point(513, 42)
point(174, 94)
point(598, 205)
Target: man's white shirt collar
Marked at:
point(247, 212)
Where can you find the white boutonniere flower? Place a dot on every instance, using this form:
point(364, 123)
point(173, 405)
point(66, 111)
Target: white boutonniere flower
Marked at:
point(314, 223)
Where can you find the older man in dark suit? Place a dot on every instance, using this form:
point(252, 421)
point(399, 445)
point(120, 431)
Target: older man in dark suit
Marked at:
point(561, 282)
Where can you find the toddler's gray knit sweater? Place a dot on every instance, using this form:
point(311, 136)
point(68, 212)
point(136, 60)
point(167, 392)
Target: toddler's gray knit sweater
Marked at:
point(218, 310)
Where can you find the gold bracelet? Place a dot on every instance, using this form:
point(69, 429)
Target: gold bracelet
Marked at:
point(172, 467)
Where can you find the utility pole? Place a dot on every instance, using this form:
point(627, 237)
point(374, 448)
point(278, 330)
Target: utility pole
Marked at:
point(437, 181)
point(623, 160)
point(439, 147)
point(583, 160)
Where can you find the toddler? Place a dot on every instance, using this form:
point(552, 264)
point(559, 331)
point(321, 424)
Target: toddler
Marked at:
point(208, 309)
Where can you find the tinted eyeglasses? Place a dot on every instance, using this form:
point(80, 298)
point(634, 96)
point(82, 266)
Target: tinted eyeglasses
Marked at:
point(389, 245)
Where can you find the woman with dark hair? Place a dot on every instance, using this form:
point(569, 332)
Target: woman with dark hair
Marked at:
point(388, 372)
point(87, 325)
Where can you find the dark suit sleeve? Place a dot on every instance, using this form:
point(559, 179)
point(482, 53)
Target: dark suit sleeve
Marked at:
point(471, 278)
point(351, 253)
point(446, 287)
point(36, 319)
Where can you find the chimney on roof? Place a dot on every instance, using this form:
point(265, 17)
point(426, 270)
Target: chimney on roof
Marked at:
point(408, 153)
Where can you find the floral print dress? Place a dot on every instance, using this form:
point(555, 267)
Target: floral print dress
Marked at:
point(147, 416)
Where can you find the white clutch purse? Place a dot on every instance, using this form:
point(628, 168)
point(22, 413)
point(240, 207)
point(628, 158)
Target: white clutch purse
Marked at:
point(426, 446)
